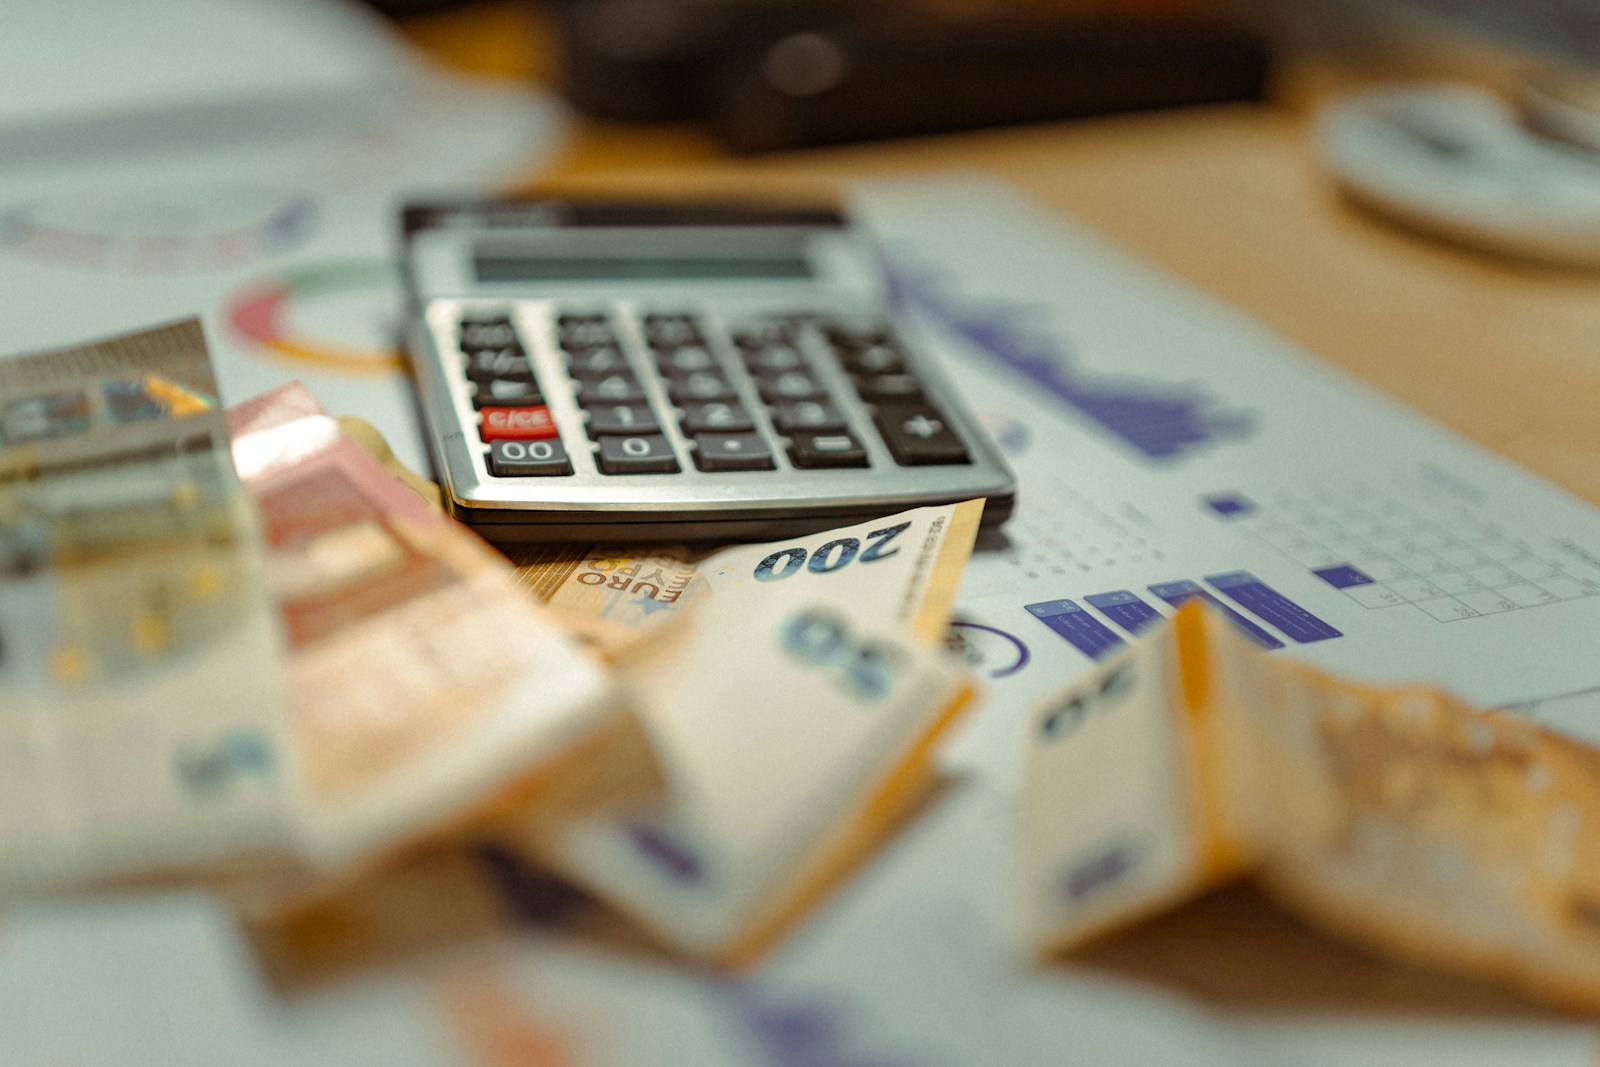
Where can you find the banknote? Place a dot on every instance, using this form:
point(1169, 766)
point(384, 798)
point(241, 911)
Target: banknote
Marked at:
point(901, 570)
point(778, 773)
point(424, 684)
point(791, 735)
point(141, 711)
point(1398, 817)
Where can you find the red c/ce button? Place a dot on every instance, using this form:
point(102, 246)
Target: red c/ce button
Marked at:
point(517, 424)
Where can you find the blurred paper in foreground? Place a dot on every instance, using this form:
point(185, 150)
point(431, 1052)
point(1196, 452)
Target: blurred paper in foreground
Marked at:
point(139, 654)
point(1398, 817)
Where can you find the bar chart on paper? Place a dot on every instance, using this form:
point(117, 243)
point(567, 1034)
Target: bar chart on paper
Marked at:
point(1448, 562)
point(1169, 450)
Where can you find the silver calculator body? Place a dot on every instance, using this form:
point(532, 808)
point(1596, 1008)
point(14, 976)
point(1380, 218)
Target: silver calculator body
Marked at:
point(666, 371)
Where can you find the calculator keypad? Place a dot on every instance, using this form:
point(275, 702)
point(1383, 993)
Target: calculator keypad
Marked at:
point(725, 400)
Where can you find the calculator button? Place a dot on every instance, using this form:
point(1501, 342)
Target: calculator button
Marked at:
point(524, 459)
point(584, 331)
point(790, 385)
point(732, 452)
point(503, 392)
point(493, 332)
point(843, 338)
point(485, 363)
point(761, 334)
point(873, 359)
point(826, 450)
point(700, 386)
point(726, 416)
point(637, 454)
point(622, 419)
point(685, 359)
point(918, 434)
point(668, 330)
point(812, 416)
point(775, 359)
point(520, 424)
point(610, 388)
point(596, 362)
point(888, 387)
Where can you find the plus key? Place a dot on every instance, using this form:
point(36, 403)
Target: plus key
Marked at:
point(918, 435)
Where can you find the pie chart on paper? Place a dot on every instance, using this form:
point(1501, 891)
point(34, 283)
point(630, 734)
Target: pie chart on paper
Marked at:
point(338, 315)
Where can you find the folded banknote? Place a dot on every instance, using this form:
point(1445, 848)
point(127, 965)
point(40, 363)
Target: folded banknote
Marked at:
point(793, 700)
point(901, 570)
point(425, 685)
point(1398, 817)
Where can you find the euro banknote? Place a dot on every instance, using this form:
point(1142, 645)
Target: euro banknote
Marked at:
point(791, 710)
point(1397, 817)
point(141, 712)
point(901, 570)
point(791, 735)
point(425, 686)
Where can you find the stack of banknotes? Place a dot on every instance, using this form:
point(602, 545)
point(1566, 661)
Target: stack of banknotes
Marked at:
point(146, 719)
point(244, 649)
point(238, 648)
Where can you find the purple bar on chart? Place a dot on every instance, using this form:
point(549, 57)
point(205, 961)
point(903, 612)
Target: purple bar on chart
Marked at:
point(1083, 631)
point(1252, 594)
point(1343, 576)
point(1125, 609)
point(1176, 593)
point(1229, 505)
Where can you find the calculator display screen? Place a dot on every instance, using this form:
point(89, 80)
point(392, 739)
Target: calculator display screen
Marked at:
point(497, 266)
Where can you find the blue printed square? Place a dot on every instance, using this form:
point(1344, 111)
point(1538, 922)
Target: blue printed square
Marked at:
point(1343, 576)
point(1230, 505)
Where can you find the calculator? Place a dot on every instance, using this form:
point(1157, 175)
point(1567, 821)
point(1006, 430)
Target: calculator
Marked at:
point(601, 369)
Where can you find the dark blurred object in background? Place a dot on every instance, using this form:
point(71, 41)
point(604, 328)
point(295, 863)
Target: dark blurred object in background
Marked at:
point(765, 75)
point(1496, 44)
point(1559, 30)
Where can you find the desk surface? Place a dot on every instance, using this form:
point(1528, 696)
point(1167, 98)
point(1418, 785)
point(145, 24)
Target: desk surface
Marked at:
point(1231, 199)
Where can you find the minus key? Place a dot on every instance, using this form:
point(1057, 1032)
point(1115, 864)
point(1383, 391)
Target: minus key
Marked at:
point(826, 450)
